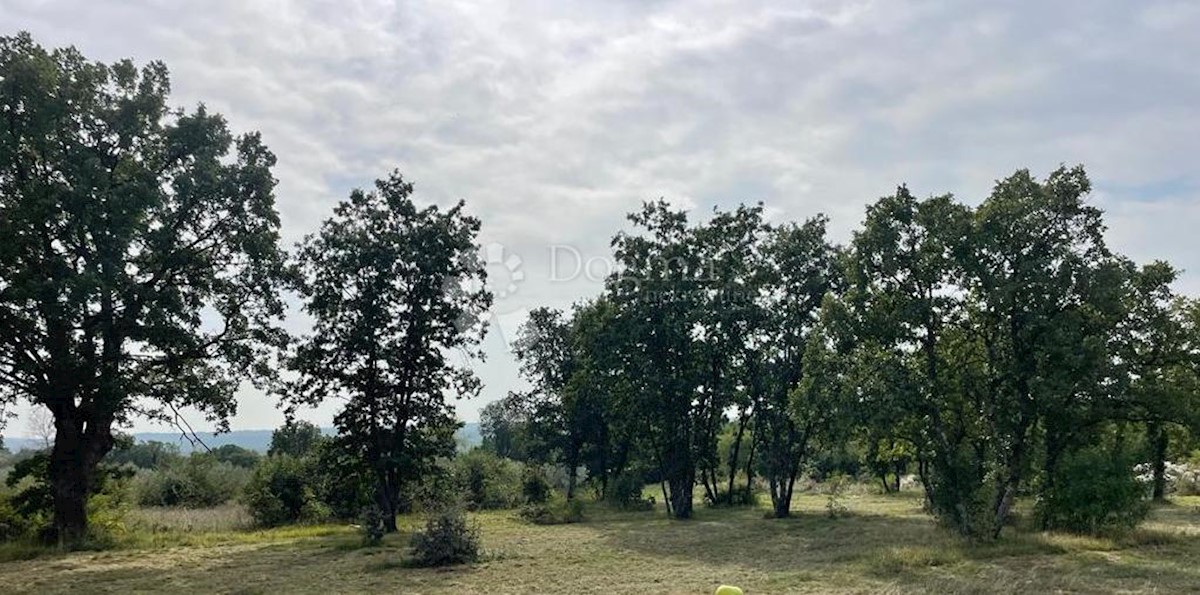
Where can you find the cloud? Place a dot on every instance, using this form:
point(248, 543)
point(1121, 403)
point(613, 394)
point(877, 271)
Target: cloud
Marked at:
point(554, 119)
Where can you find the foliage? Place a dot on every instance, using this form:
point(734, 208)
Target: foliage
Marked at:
point(295, 438)
point(1095, 490)
point(236, 456)
point(144, 455)
point(487, 481)
point(371, 522)
point(140, 265)
point(395, 292)
point(835, 492)
point(558, 511)
point(535, 488)
point(280, 492)
point(26, 505)
point(197, 481)
point(447, 539)
point(625, 491)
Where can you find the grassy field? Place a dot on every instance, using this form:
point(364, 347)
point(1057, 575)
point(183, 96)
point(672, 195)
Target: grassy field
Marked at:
point(885, 545)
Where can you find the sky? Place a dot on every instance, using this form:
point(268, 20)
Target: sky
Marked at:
point(554, 119)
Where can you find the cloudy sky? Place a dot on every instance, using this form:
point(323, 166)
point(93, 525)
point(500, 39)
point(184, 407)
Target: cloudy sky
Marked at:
point(553, 119)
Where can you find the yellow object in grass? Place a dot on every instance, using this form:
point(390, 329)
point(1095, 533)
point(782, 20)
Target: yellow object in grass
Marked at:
point(728, 590)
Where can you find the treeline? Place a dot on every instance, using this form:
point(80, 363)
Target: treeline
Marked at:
point(996, 351)
point(1003, 349)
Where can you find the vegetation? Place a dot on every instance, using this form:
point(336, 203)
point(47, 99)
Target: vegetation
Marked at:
point(141, 272)
point(448, 538)
point(991, 365)
point(389, 288)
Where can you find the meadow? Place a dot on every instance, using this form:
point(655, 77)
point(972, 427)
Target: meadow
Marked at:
point(881, 544)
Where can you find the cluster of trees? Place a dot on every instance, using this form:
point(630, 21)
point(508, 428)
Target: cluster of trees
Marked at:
point(991, 346)
point(142, 276)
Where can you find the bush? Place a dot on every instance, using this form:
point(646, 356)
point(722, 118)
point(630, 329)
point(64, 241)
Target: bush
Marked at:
point(557, 512)
point(534, 486)
point(488, 481)
point(741, 497)
point(625, 491)
point(1093, 491)
point(371, 522)
point(26, 505)
point(835, 492)
point(195, 482)
point(447, 539)
point(281, 491)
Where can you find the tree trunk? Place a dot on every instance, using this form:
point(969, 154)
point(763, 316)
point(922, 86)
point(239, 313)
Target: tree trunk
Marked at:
point(680, 482)
point(69, 480)
point(734, 452)
point(386, 501)
point(1159, 441)
point(73, 462)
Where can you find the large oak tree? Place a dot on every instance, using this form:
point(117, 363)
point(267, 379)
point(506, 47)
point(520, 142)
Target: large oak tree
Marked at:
point(139, 262)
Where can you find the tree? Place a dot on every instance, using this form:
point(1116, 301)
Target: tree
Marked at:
point(139, 271)
point(145, 455)
point(543, 348)
point(295, 438)
point(656, 294)
point(802, 270)
point(1045, 301)
point(731, 322)
point(236, 456)
point(505, 427)
point(394, 291)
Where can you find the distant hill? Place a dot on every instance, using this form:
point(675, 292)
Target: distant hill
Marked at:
point(258, 440)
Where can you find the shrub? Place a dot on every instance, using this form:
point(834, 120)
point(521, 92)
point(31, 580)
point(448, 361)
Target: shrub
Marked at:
point(488, 481)
point(835, 492)
point(556, 512)
point(195, 482)
point(280, 492)
point(371, 522)
point(447, 539)
point(26, 505)
point(1093, 490)
point(534, 486)
point(625, 491)
point(741, 496)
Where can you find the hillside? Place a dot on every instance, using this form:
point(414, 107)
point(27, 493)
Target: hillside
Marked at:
point(257, 440)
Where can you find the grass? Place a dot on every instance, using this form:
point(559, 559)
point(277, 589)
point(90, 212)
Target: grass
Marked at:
point(885, 545)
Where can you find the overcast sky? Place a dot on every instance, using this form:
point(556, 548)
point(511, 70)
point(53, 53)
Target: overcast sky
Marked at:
point(554, 119)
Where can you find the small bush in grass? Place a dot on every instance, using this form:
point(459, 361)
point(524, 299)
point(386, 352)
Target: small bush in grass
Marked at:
point(741, 497)
point(625, 491)
point(371, 522)
point(1093, 491)
point(447, 539)
point(555, 512)
point(835, 492)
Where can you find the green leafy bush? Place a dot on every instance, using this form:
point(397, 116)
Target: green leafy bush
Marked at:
point(534, 486)
point(556, 512)
point(447, 539)
point(281, 491)
point(1093, 491)
point(26, 503)
point(625, 491)
point(197, 481)
point(488, 481)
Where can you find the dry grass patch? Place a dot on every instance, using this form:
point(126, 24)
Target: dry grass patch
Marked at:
point(886, 545)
